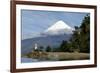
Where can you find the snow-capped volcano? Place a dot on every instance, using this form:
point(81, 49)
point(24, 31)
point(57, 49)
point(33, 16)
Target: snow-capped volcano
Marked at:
point(59, 27)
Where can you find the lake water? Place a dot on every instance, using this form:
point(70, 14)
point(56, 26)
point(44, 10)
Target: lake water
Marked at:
point(27, 60)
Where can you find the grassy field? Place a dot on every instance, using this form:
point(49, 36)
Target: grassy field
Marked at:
point(68, 56)
point(59, 56)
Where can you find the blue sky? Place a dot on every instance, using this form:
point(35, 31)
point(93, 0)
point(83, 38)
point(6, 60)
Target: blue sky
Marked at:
point(34, 22)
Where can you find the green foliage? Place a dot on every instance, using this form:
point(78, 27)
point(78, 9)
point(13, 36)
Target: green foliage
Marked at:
point(48, 49)
point(64, 46)
point(81, 36)
point(85, 34)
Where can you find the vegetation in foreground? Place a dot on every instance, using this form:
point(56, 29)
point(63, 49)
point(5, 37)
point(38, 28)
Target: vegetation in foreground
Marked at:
point(57, 56)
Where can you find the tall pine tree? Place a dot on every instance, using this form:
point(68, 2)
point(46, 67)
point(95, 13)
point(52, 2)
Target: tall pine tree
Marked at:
point(81, 36)
point(85, 34)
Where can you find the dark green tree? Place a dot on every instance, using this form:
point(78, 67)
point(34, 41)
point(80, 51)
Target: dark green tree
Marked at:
point(48, 49)
point(81, 36)
point(85, 34)
point(65, 47)
point(76, 38)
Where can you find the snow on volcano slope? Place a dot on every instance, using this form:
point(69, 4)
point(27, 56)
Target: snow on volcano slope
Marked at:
point(59, 27)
